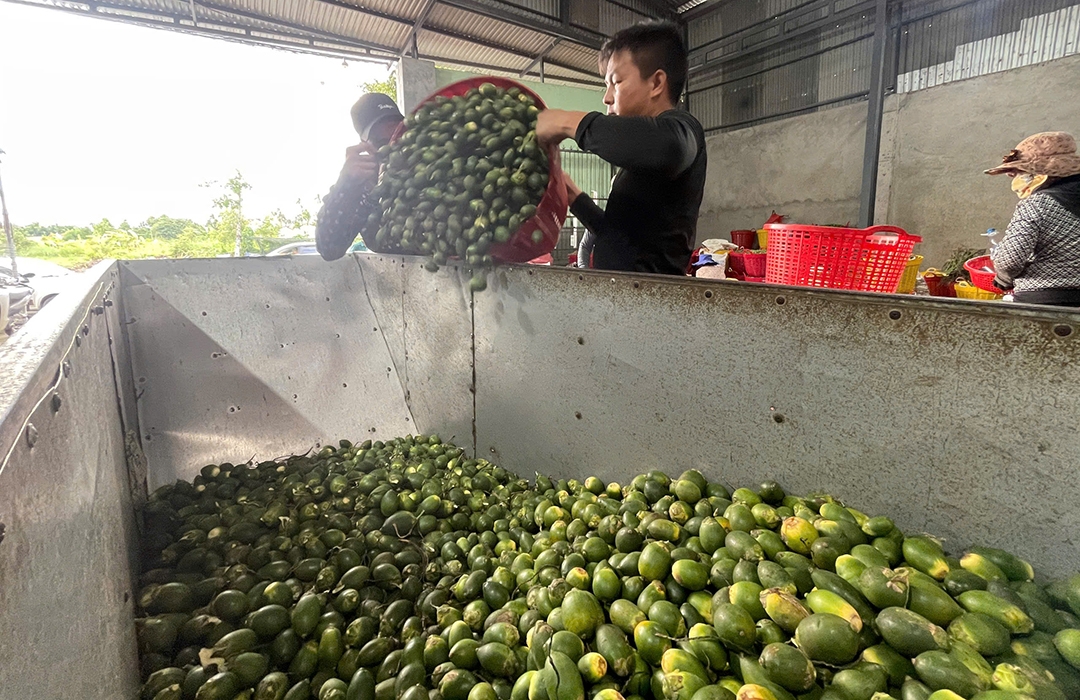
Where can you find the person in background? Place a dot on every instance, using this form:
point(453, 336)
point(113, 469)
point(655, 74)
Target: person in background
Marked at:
point(1039, 257)
point(650, 223)
point(585, 249)
point(345, 209)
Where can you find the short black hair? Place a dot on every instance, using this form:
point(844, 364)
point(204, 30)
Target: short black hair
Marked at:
point(654, 46)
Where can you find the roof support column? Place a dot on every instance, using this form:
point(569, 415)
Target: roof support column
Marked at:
point(415, 81)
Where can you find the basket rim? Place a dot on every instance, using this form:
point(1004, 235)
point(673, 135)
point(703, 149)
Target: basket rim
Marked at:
point(843, 230)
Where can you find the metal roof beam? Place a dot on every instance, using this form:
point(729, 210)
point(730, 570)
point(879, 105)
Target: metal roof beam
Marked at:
point(503, 47)
point(308, 35)
point(539, 57)
point(486, 66)
point(530, 20)
point(410, 40)
point(434, 29)
point(367, 11)
point(517, 20)
point(330, 36)
point(181, 23)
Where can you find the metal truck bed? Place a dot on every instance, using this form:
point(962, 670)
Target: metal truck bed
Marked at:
point(953, 417)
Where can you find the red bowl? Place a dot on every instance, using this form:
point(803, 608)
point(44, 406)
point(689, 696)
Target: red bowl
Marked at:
point(552, 209)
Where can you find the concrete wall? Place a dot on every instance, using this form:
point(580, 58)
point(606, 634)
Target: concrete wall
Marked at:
point(416, 80)
point(935, 145)
point(938, 141)
point(808, 168)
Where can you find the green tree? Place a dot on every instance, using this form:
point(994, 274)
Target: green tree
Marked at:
point(227, 231)
point(166, 227)
point(36, 230)
point(387, 86)
point(302, 223)
point(230, 209)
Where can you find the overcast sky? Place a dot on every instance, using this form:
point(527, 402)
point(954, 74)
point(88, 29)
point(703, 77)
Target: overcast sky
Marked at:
point(103, 119)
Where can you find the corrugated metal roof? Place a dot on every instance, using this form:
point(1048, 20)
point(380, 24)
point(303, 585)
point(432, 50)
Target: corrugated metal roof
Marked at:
point(470, 24)
point(575, 55)
point(544, 7)
point(486, 34)
point(342, 21)
point(431, 44)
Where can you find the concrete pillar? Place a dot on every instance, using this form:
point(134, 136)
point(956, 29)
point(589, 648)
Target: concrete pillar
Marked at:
point(415, 81)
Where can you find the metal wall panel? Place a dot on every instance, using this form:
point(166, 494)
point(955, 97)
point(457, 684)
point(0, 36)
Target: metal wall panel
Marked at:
point(67, 559)
point(588, 373)
point(704, 29)
point(426, 319)
point(845, 70)
point(822, 67)
point(940, 44)
point(939, 41)
point(614, 17)
point(777, 85)
point(262, 356)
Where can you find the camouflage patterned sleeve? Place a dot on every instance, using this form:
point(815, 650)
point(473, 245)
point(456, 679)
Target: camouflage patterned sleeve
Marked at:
point(343, 215)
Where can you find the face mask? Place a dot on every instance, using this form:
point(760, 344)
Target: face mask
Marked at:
point(1025, 184)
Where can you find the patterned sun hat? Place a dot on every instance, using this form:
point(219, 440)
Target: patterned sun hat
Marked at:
point(1051, 153)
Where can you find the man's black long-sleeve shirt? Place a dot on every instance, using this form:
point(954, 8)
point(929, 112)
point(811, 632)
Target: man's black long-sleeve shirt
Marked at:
point(650, 224)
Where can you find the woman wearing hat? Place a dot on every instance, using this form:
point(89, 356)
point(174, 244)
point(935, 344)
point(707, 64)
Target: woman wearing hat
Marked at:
point(1039, 258)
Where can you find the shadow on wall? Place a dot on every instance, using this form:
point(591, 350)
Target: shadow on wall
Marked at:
point(808, 168)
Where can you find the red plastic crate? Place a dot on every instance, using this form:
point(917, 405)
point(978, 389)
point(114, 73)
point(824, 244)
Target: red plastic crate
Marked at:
point(865, 260)
point(553, 207)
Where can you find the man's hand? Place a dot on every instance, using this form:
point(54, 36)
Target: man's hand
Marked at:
point(572, 190)
point(556, 125)
point(361, 163)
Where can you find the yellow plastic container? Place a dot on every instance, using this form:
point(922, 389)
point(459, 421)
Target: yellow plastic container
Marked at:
point(964, 290)
point(762, 239)
point(910, 276)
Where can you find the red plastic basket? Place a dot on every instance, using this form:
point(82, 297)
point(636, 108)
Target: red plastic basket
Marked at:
point(553, 206)
point(981, 270)
point(748, 263)
point(864, 260)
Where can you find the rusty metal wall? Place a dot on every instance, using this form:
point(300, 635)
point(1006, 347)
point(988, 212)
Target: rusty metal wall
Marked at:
point(67, 501)
point(956, 418)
